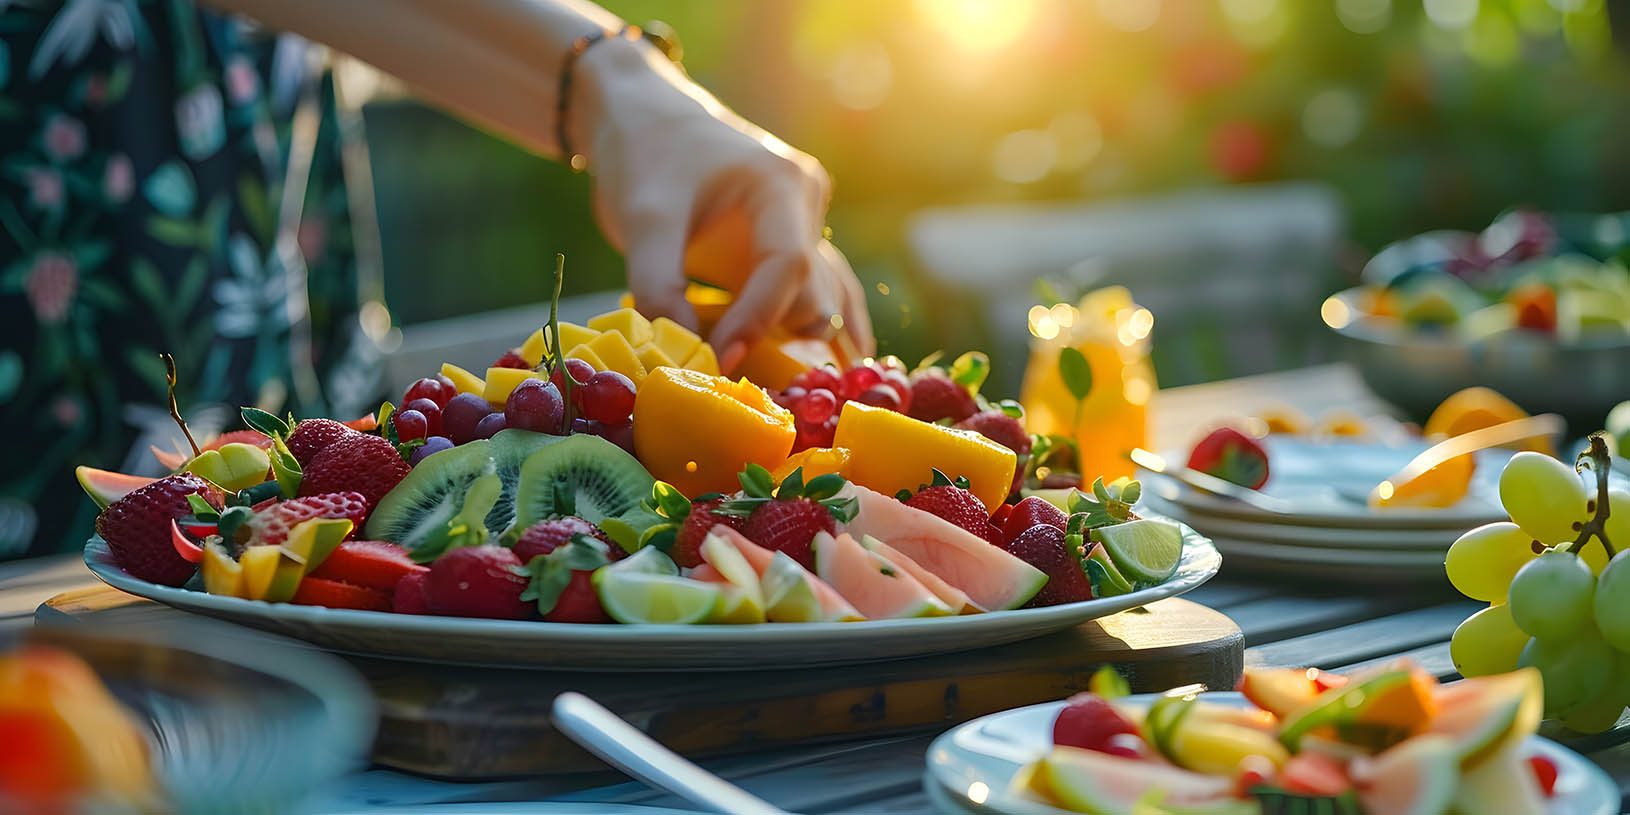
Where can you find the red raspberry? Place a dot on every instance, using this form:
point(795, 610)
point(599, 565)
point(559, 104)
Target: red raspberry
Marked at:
point(371, 564)
point(477, 581)
point(687, 548)
point(544, 537)
point(312, 436)
point(363, 463)
point(137, 528)
point(934, 396)
point(270, 526)
point(790, 527)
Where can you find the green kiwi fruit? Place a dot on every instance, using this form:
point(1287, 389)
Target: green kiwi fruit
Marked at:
point(510, 449)
point(581, 475)
point(421, 504)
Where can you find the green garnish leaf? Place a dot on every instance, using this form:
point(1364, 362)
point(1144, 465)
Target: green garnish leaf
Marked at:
point(825, 486)
point(264, 422)
point(552, 573)
point(1074, 369)
point(1011, 408)
point(285, 467)
point(757, 481)
point(202, 509)
point(1108, 683)
point(792, 486)
point(970, 370)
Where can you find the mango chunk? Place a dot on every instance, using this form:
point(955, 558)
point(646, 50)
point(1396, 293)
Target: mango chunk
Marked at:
point(587, 354)
point(573, 335)
point(618, 354)
point(703, 360)
point(675, 340)
point(627, 322)
point(500, 381)
point(534, 348)
point(652, 357)
point(463, 380)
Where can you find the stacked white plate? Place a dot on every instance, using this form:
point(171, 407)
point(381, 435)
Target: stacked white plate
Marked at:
point(1328, 531)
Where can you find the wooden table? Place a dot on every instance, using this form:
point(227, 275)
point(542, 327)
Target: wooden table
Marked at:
point(1333, 627)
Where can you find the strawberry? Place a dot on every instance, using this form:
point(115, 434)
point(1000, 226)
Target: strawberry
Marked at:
point(367, 464)
point(685, 522)
point(317, 591)
point(409, 596)
point(1028, 513)
point(312, 436)
point(270, 524)
point(137, 528)
point(687, 548)
point(510, 359)
point(544, 537)
point(477, 581)
point(1000, 428)
point(1043, 546)
point(934, 397)
point(561, 575)
point(1232, 456)
point(786, 517)
point(951, 501)
point(371, 564)
point(790, 527)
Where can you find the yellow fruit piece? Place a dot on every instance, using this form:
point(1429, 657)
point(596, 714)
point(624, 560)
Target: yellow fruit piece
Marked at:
point(573, 335)
point(625, 321)
point(889, 452)
point(675, 340)
point(618, 354)
point(463, 380)
point(709, 303)
point(587, 354)
point(697, 431)
point(703, 360)
point(534, 348)
point(652, 358)
point(1442, 486)
point(259, 565)
point(1475, 408)
point(500, 381)
point(774, 360)
point(814, 461)
point(222, 575)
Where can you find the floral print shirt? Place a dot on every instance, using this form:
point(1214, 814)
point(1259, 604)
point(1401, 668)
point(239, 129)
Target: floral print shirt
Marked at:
point(170, 181)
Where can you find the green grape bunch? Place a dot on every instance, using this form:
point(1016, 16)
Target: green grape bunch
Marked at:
point(1557, 585)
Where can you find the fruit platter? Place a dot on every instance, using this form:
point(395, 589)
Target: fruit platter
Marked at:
point(600, 497)
point(1386, 741)
point(1527, 306)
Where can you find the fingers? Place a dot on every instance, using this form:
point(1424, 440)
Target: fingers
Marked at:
point(656, 270)
point(857, 319)
point(762, 304)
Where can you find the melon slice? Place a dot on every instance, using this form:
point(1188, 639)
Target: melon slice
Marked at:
point(992, 578)
point(1504, 783)
point(948, 594)
point(1090, 781)
point(768, 564)
point(742, 602)
point(872, 584)
point(1484, 714)
point(1416, 777)
point(105, 486)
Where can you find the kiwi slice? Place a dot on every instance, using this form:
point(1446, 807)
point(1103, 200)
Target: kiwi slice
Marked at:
point(510, 449)
point(581, 475)
point(421, 504)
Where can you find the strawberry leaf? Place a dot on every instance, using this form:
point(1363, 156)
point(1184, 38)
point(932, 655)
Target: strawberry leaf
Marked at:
point(970, 370)
point(201, 508)
point(792, 486)
point(825, 486)
point(266, 423)
point(668, 501)
point(757, 481)
point(842, 509)
point(552, 573)
point(1011, 408)
point(285, 467)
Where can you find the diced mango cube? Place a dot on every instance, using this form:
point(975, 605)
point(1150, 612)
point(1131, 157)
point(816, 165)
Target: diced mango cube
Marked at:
point(703, 360)
point(573, 335)
point(618, 354)
point(627, 322)
point(652, 357)
point(675, 340)
point(587, 354)
point(463, 380)
point(500, 381)
point(534, 348)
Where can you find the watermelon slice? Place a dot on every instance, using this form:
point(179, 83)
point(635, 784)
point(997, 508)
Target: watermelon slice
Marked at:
point(1485, 714)
point(950, 595)
point(782, 603)
point(875, 586)
point(105, 486)
point(1416, 777)
point(992, 578)
point(1090, 781)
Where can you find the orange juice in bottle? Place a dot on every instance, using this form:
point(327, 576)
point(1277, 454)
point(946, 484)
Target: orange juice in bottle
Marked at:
point(1112, 333)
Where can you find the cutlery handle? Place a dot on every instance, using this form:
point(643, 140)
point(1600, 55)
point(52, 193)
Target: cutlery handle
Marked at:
point(623, 746)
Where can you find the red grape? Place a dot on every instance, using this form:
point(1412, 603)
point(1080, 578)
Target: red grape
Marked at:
point(489, 425)
point(432, 445)
point(880, 395)
point(535, 405)
point(608, 397)
point(463, 413)
point(437, 390)
point(789, 398)
point(822, 377)
point(816, 406)
point(621, 435)
point(410, 425)
point(897, 379)
point(431, 412)
point(891, 363)
point(857, 379)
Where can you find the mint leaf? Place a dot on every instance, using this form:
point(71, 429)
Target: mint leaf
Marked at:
point(1074, 369)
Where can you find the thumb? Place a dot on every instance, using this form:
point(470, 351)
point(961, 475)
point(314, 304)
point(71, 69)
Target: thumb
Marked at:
point(656, 271)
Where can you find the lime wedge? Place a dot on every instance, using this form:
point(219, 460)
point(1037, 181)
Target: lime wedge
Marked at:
point(737, 606)
point(788, 595)
point(741, 601)
point(649, 560)
point(642, 597)
point(1146, 551)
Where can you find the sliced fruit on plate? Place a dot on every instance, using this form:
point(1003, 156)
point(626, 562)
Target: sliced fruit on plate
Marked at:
point(953, 597)
point(889, 452)
point(697, 431)
point(1281, 691)
point(992, 578)
point(105, 486)
point(870, 582)
point(741, 599)
point(1089, 781)
point(422, 504)
point(1214, 746)
point(580, 475)
point(645, 588)
point(1146, 551)
point(1504, 783)
point(1486, 714)
point(787, 586)
point(1378, 711)
point(1417, 777)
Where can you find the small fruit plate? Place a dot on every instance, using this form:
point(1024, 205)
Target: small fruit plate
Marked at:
point(971, 768)
point(572, 647)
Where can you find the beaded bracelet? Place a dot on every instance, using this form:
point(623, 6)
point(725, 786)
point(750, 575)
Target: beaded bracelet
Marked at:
point(657, 33)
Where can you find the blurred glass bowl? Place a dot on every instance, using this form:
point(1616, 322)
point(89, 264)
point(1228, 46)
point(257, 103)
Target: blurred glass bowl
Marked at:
point(1416, 370)
point(237, 724)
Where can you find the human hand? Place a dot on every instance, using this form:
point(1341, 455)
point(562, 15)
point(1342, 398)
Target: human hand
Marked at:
point(672, 163)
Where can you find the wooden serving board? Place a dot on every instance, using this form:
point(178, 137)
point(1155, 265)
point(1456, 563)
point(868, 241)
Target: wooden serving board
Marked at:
point(481, 723)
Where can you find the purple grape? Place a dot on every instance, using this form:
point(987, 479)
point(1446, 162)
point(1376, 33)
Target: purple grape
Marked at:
point(410, 425)
point(462, 414)
point(431, 446)
point(621, 435)
point(489, 425)
point(535, 405)
point(431, 412)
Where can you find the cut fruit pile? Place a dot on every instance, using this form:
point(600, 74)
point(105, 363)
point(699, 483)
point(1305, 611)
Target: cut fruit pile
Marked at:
point(608, 483)
point(1391, 741)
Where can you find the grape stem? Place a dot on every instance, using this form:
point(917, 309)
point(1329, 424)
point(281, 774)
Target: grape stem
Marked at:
point(557, 357)
point(1598, 460)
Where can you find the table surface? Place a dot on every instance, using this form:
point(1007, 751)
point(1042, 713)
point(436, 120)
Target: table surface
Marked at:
point(1331, 627)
